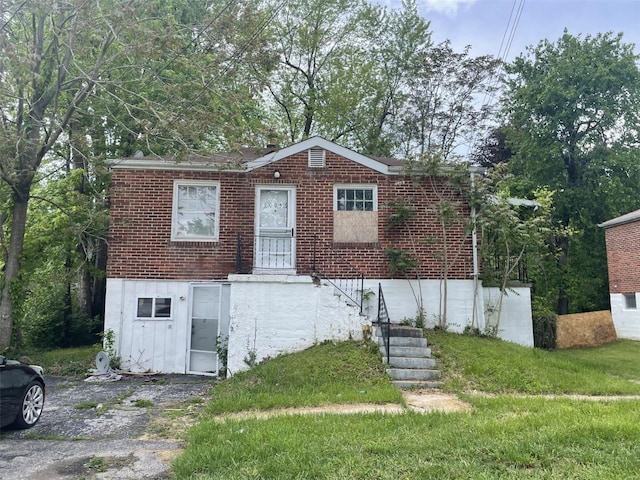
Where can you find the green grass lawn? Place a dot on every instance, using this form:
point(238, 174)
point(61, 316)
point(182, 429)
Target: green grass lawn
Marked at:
point(503, 436)
point(345, 372)
point(491, 365)
point(63, 362)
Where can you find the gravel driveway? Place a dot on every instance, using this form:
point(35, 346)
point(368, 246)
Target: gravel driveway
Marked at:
point(105, 430)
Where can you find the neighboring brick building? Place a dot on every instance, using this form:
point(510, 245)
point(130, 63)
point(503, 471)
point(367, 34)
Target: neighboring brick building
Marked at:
point(243, 247)
point(622, 235)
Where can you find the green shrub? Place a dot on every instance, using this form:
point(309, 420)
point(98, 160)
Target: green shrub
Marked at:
point(43, 317)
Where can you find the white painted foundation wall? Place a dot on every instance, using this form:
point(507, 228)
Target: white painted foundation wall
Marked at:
point(402, 300)
point(275, 314)
point(269, 315)
point(516, 324)
point(625, 320)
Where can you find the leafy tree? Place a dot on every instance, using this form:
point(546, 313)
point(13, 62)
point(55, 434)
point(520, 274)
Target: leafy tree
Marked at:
point(446, 108)
point(111, 77)
point(401, 40)
point(343, 70)
point(573, 110)
point(513, 233)
point(493, 150)
point(445, 190)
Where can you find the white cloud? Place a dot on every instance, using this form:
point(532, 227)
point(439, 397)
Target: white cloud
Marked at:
point(448, 7)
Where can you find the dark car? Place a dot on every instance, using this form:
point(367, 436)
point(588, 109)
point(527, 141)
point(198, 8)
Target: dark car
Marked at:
point(21, 394)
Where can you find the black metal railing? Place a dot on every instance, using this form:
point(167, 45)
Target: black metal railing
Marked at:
point(494, 267)
point(306, 256)
point(275, 252)
point(239, 246)
point(331, 266)
point(384, 322)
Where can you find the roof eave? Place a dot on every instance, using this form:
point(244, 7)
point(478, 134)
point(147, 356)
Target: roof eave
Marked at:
point(164, 164)
point(322, 143)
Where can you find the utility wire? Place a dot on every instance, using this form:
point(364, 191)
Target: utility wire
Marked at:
point(232, 60)
point(513, 30)
point(503, 51)
point(158, 71)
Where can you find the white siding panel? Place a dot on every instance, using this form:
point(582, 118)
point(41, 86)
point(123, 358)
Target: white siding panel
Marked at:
point(626, 321)
point(153, 345)
point(148, 345)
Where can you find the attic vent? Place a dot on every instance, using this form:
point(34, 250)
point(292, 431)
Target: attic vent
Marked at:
point(316, 158)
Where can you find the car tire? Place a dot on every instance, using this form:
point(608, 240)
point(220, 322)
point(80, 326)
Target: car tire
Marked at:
point(30, 407)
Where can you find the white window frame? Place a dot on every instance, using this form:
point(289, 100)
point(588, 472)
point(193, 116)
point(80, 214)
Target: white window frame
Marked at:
point(372, 187)
point(153, 307)
point(174, 212)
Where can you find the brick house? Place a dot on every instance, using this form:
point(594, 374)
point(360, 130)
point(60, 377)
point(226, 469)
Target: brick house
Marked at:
point(270, 251)
point(622, 236)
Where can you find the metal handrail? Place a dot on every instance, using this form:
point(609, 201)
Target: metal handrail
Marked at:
point(383, 318)
point(239, 254)
point(351, 287)
point(325, 263)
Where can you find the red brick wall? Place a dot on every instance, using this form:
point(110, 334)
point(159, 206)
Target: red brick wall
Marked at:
point(140, 243)
point(623, 257)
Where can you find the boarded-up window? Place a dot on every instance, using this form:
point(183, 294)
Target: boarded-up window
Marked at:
point(355, 214)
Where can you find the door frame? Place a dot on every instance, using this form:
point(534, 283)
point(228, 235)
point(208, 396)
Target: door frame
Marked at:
point(291, 224)
point(192, 287)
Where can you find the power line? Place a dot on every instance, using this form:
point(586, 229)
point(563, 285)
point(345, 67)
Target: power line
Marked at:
point(503, 51)
point(514, 27)
point(231, 63)
point(182, 51)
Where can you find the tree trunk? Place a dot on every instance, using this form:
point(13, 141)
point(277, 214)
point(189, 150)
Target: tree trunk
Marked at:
point(83, 276)
point(83, 289)
point(12, 267)
point(99, 280)
point(66, 340)
point(562, 244)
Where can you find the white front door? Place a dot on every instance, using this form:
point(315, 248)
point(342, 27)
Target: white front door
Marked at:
point(205, 329)
point(275, 245)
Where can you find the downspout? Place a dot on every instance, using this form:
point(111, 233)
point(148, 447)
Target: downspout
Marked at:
point(475, 317)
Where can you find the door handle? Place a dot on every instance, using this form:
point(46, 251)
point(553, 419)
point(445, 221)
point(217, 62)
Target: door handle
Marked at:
point(293, 230)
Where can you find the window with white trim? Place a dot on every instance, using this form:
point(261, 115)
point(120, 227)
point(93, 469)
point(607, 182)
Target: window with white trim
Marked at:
point(196, 211)
point(355, 213)
point(158, 308)
point(355, 198)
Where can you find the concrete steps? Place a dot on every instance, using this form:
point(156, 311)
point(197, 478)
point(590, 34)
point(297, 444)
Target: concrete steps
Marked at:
point(402, 351)
point(409, 364)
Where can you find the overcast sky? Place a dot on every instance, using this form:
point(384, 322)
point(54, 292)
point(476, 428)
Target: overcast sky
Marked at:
point(484, 24)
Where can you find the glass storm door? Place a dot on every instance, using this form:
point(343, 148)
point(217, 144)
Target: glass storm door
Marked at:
point(275, 246)
point(205, 326)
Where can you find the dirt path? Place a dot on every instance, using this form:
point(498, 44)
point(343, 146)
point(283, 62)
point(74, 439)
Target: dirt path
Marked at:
point(423, 401)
